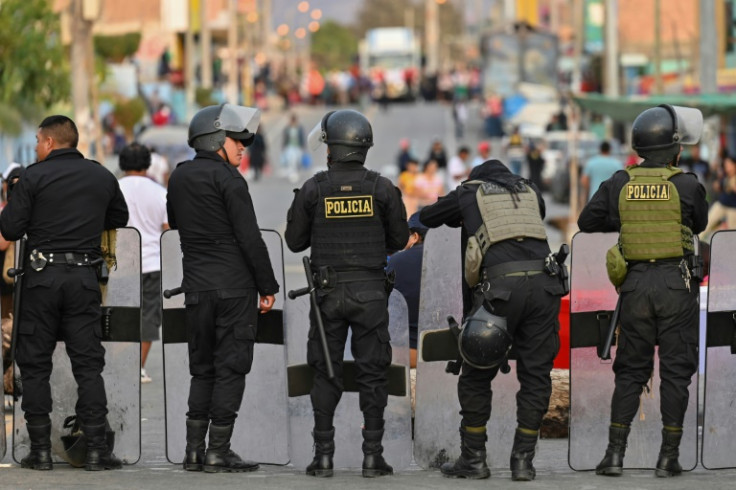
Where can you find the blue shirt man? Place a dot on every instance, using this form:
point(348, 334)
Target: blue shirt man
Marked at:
point(599, 168)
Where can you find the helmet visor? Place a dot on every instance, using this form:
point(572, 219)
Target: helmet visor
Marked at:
point(689, 124)
point(316, 137)
point(238, 118)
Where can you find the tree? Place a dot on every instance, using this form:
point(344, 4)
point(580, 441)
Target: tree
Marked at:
point(334, 46)
point(34, 74)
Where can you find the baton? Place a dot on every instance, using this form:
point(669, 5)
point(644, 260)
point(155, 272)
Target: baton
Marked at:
point(168, 293)
point(310, 289)
point(605, 352)
point(17, 274)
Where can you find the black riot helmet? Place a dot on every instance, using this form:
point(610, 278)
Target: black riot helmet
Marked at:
point(347, 134)
point(484, 342)
point(211, 125)
point(657, 133)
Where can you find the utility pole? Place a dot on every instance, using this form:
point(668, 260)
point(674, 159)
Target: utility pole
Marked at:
point(232, 48)
point(81, 36)
point(189, 61)
point(611, 55)
point(659, 86)
point(708, 48)
point(432, 36)
point(205, 36)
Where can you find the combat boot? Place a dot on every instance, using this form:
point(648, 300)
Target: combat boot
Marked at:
point(472, 461)
point(99, 453)
point(324, 449)
point(40, 456)
point(667, 464)
point(613, 462)
point(373, 463)
point(522, 454)
point(195, 451)
point(220, 458)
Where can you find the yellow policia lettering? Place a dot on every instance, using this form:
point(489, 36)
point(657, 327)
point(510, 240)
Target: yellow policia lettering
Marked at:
point(647, 192)
point(349, 207)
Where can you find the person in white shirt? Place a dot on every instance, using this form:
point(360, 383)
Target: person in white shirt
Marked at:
point(146, 201)
point(457, 168)
point(159, 169)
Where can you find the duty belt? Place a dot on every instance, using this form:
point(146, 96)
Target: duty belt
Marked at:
point(514, 269)
point(355, 276)
point(68, 258)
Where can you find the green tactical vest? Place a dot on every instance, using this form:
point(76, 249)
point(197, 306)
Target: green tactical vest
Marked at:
point(507, 215)
point(651, 219)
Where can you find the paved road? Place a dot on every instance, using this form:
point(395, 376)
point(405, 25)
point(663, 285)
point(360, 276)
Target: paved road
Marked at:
point(272, 197)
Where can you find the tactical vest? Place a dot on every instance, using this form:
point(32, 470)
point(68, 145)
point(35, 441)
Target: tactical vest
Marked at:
point(347, 231)
point(507, 214)
point(651, 218)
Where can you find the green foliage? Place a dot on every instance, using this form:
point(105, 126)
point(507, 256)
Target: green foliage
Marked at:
point(203, 97)
point(117, 48)
point(334, 46)
point(34, 73)
point(128, 112)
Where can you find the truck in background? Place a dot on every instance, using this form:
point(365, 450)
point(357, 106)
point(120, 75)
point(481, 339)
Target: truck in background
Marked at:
point(390, 57)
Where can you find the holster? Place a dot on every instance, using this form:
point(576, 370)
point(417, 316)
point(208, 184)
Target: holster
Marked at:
point(695, 262)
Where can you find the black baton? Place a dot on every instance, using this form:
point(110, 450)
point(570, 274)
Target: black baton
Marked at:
point(605, 352)
point(17, 274)
point(168, 293)
point(310, 289)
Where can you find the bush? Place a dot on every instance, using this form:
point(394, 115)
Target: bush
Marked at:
point(203, 97)
point(117, 48)
point(129, 112)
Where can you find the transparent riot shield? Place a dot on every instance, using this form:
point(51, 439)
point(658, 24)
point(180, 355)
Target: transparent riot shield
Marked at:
point(719, 417)
point(348, 418)
point(121, 333)
point(592, 302)
point(2, 404)
point(437, 412)
point(260, 432)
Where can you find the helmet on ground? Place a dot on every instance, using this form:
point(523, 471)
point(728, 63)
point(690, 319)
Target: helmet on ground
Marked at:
point(346, 132)
point(211, 125)
point(657, 133)
point(75, 443)
point(484, 342)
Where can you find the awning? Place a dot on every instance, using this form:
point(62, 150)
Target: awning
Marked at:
point(626, 108)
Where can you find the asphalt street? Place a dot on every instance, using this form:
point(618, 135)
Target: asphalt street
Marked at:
point(272, 197)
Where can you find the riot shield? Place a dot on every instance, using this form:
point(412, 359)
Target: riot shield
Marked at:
point(348, 418)
point(719, 418)
point(437, 413)
point(2, 403)
point(121, 333)
point(260, 432)
point(592, 302)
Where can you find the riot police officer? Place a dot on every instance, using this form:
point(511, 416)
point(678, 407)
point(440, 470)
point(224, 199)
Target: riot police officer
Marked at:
point(226, 267)
point(63, 203)
point(350, 253)
point(656, 208)
point(514, 299)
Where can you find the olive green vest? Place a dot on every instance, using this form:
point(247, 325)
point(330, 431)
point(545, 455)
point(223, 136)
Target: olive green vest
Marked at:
point(651, 219)
point(507, 215)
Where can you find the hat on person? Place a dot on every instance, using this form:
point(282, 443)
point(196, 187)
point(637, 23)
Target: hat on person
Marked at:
point(414, 222)
point(9, 171)
point(483, 146)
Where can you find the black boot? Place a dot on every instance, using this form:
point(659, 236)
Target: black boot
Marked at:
point(220, 458)
point(472, 461)
point(373, 463)
point(40, 456)
point(522, 454)
point(667, 464)
point(99, 454)
point(613, 462)
point(196, 434)
point(324, 449)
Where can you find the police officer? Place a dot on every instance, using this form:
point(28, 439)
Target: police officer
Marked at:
point(656, 208)
point(226, 267)
point(350, 252)
point(63, 203)
point(501, 217)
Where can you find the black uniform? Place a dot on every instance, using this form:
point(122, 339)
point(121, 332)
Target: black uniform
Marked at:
point(63, 204)
point(656, 307)
point(530, 302)
point(372, 220)
point(226, 266)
